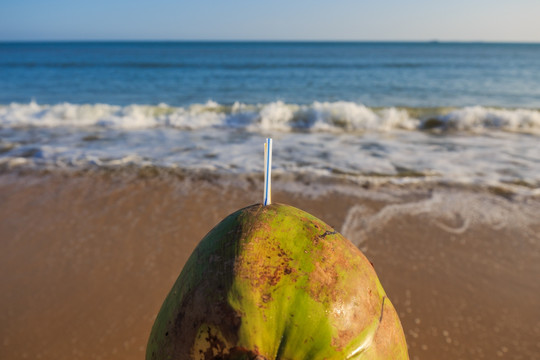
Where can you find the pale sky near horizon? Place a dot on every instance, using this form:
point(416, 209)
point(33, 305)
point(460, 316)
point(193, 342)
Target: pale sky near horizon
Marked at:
point(422, 20)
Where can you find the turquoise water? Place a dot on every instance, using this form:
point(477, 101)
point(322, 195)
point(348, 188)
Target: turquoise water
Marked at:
point(462, 113)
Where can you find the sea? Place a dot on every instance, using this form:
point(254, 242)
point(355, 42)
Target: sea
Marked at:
point(385, 112)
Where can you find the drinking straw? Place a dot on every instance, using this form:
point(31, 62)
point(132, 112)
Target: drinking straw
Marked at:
point(267, 172)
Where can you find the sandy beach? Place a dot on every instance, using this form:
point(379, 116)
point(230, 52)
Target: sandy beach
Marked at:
point(87, 258)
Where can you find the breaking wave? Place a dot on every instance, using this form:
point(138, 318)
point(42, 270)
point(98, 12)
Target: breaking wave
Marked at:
point(340, 116)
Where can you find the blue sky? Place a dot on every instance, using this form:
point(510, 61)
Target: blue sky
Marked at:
point(461, 20)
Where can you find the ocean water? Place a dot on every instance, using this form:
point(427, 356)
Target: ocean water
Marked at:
point(464, 113)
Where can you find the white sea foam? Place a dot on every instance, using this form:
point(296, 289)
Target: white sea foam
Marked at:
point(451, 212)
point(340, 116)
point(338, 139)
point(478, 119)
point(110, 116)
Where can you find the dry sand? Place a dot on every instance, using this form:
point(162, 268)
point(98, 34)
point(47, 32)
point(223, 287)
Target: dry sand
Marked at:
point(86, 260)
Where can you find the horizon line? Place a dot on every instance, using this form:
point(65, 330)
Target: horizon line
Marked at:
point(432, 41)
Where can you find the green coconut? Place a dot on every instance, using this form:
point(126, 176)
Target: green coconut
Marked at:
point(274, 282)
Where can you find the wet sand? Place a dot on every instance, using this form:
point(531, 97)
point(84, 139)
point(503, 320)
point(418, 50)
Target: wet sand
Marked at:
point(86, 260)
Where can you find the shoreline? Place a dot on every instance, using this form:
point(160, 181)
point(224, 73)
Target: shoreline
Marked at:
point(88, 257)
point(284, 181)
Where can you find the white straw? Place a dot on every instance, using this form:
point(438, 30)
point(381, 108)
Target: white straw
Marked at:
point(267, 172)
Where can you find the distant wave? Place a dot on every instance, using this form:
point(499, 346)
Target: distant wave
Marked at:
point(337, 116)
point(217, 65)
